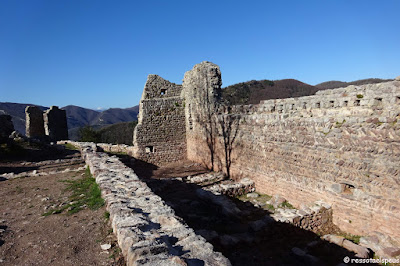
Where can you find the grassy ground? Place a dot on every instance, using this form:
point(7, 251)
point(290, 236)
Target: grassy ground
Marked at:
point(85, 193)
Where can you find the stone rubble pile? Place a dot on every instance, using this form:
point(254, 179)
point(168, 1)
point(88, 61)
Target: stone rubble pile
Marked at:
point(37, 173)
point(383, 246)
point(148, 231)
point(204, 179)
point(116, 148)
point(232, 188)
point(313, 217)
point(361, 252)
point(215, 183)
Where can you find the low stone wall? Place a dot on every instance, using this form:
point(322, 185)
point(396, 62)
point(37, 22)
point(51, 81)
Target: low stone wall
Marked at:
point(148, 231)
point(116, 148)
point(316, 219)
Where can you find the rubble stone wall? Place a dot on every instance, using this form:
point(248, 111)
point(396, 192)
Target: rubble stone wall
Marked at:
point(147, 229)
point(160, 135)
point(55, 123)
point(6, 127)
point(34, 122)
point(341, 146)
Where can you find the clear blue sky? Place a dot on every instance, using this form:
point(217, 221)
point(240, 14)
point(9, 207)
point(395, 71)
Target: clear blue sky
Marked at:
point(99, 53)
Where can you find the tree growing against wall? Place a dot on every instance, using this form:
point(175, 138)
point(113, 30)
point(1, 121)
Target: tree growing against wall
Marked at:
point(207, 120)
point(228, 125)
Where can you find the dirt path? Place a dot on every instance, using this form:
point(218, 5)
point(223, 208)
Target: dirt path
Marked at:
point(29, 238)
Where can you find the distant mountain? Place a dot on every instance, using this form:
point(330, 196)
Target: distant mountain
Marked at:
point(76, 116)
point(17, 112)
point(79, 116)
point(339, 84)
point(254, 91)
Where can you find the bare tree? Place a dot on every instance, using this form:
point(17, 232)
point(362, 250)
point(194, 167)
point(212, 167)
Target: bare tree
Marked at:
point(228, 129)
point(207, 120)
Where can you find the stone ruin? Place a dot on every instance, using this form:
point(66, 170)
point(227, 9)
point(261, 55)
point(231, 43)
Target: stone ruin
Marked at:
point(50, 125)
point(55, 123)
point(341, 146)
point(34, 124)
point(6, 127)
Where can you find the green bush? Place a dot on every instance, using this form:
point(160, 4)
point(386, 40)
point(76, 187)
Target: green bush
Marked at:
point(88, 134)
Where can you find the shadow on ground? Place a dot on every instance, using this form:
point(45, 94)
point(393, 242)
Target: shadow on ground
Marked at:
point(14, 151)
point(13, 156)
point(246, 237)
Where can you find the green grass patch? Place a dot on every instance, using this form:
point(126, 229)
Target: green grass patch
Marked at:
point(85, 193)
point(286, 205)
point(106, 215)
point(269, 207)
point(115, 253)
point(69, 146)
point(353, 238)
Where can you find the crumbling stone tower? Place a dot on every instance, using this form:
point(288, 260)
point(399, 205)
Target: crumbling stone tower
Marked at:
point(168, 113)
point(51, 124)
point(55, 123)
point(34, 122)
point(202, 92)
point(160, 135)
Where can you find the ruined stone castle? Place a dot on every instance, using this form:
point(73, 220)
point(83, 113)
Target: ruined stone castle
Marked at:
point(341, 146)
point(50, 124)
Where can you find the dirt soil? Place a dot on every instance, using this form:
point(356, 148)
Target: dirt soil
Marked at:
point(29, 238)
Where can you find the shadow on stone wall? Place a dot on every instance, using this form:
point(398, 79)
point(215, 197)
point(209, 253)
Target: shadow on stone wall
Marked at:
point(245, 234)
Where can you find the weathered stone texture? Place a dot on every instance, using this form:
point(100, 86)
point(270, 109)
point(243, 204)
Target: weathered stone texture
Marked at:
point(55, 123)
point(6, 127)
point(34, 122)
point(160, 135)
point(341, 146)
point(147, 229)
point(201, 91)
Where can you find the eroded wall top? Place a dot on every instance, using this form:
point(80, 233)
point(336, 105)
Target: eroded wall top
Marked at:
point(157, 87)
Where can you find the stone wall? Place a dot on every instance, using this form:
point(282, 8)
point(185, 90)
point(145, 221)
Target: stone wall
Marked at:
point(6, 127)
point(202, 90)
point(147, 229)
point(160, 135)
point(34, 122)
point(51, 124)
point(55, 123)
point(341, 146)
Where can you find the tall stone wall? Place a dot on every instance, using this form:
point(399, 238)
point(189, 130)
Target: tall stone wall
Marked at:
point(55, 124)
point(34, 122)
point(201, 91)
point(341, 146)
point(160, 135)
